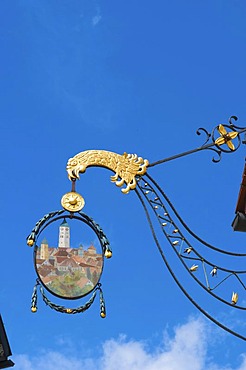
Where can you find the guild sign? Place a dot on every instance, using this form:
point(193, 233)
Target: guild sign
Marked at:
point(64, 269)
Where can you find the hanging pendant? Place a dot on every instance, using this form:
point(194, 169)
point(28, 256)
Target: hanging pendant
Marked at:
point(68, 259)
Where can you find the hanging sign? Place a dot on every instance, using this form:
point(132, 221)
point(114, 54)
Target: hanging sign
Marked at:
point(69, 251)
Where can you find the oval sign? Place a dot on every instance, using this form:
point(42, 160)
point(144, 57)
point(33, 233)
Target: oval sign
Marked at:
point(68, 271)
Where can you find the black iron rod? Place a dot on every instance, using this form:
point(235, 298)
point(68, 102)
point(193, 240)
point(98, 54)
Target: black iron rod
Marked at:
point(181, 155)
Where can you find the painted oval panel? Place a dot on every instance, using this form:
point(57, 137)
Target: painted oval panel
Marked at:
point(67, 270)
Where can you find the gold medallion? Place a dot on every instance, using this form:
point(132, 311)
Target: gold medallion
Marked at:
point(72, 201)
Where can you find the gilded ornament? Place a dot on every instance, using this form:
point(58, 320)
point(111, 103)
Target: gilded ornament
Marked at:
point(193, 268)
point(226, 137)
point(108, 254)
point(126, 166)
point(103, 315)
point(214, 271)
point(30, 242)
point(34, 309)
point(234, 298)
point(72, 201)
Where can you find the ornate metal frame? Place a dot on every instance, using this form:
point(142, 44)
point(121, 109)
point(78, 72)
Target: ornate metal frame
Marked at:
point(106, 250)
point(131, 170)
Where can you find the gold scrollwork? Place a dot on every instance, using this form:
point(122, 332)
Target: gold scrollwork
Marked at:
point(126, 166)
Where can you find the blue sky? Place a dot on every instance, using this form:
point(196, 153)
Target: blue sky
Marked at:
point(127, 77)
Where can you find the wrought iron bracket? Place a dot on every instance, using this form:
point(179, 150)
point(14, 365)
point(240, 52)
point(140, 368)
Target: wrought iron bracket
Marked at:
point(224, 138)
point(220, 140)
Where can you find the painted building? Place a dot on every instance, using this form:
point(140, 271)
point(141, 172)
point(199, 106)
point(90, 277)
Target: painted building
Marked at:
point(44, 250)
point(64, 235)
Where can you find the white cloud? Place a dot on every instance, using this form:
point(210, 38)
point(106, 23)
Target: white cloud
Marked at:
point(52, 361)
point(175, 354)
point(186, 349)
point(97, 18)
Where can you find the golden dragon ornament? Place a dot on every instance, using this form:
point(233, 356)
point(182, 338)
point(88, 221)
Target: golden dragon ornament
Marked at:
point(125, 166)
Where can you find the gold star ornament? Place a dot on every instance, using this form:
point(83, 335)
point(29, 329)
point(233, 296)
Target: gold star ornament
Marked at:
point(72, 201)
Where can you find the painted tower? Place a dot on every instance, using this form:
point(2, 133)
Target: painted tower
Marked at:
point(64, 235)
point(80, 250)
point(44, 250)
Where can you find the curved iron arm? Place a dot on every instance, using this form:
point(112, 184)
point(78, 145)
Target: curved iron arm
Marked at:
point(206, 244)
point(205, 313)
point(176, 238)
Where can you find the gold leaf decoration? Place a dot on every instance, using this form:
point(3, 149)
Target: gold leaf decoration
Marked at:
point(234, 298)
point(126, 166)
